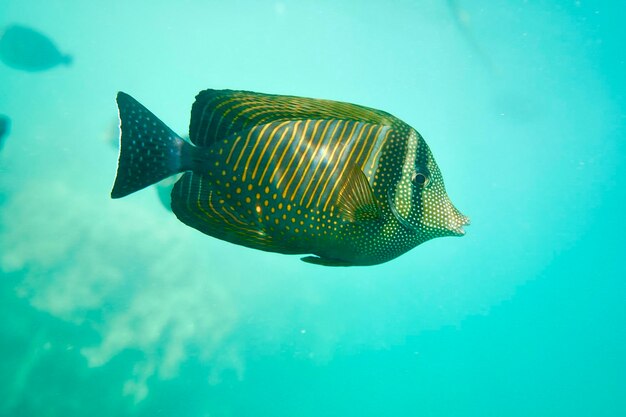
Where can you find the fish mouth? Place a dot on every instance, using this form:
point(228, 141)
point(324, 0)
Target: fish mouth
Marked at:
point(460, 231)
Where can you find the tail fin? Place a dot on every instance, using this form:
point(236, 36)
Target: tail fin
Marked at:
point(149, 150)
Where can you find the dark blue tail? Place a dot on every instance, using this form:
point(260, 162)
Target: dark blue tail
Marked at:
point(149, 150)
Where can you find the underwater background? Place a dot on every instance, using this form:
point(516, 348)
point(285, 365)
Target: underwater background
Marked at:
point(114, 307)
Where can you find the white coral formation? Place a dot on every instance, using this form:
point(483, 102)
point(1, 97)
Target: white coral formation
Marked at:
point(83, 255)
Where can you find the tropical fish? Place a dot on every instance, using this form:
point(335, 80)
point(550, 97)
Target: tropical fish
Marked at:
point(28, 50)
point(348, 184)
point(5, 124)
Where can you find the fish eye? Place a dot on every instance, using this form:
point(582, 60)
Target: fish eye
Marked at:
point(420, 179)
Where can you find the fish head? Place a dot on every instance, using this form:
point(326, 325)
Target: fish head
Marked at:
point(420, 201)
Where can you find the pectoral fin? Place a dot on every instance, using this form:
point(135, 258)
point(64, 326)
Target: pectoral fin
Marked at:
point(356, 198)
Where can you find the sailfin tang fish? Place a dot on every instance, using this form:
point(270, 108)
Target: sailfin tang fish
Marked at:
point(348, 184)
point(5, 124)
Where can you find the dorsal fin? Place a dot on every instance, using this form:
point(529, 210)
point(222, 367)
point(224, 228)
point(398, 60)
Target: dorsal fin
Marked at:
point(218, 114)
point(356, 198)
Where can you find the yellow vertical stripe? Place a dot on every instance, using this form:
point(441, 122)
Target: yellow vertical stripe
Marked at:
point(259, 138)
point(243, 148)
point(293, 154)
point(232, 149)
point(304, 155)
point(287, 146)
point(319, 163)
point(339, 162)
point(269, 140)
point(344, 164)
point(337, 143)
point(269, 161)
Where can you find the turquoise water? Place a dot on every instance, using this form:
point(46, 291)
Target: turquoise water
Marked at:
point(116, 308)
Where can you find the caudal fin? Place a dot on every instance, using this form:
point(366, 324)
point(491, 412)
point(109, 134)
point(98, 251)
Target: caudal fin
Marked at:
point(149, 150)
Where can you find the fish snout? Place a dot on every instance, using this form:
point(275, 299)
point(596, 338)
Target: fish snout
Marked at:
point(459, 230)
point(457, 221)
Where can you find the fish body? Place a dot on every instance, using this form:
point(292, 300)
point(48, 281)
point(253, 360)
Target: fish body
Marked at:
point(28, 50)
point(348, 184)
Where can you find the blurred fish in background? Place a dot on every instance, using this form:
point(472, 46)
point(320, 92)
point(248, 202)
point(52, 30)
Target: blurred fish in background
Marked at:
point(5, 124)
point(461, 19)
point(508, 101)
point(26, 49)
